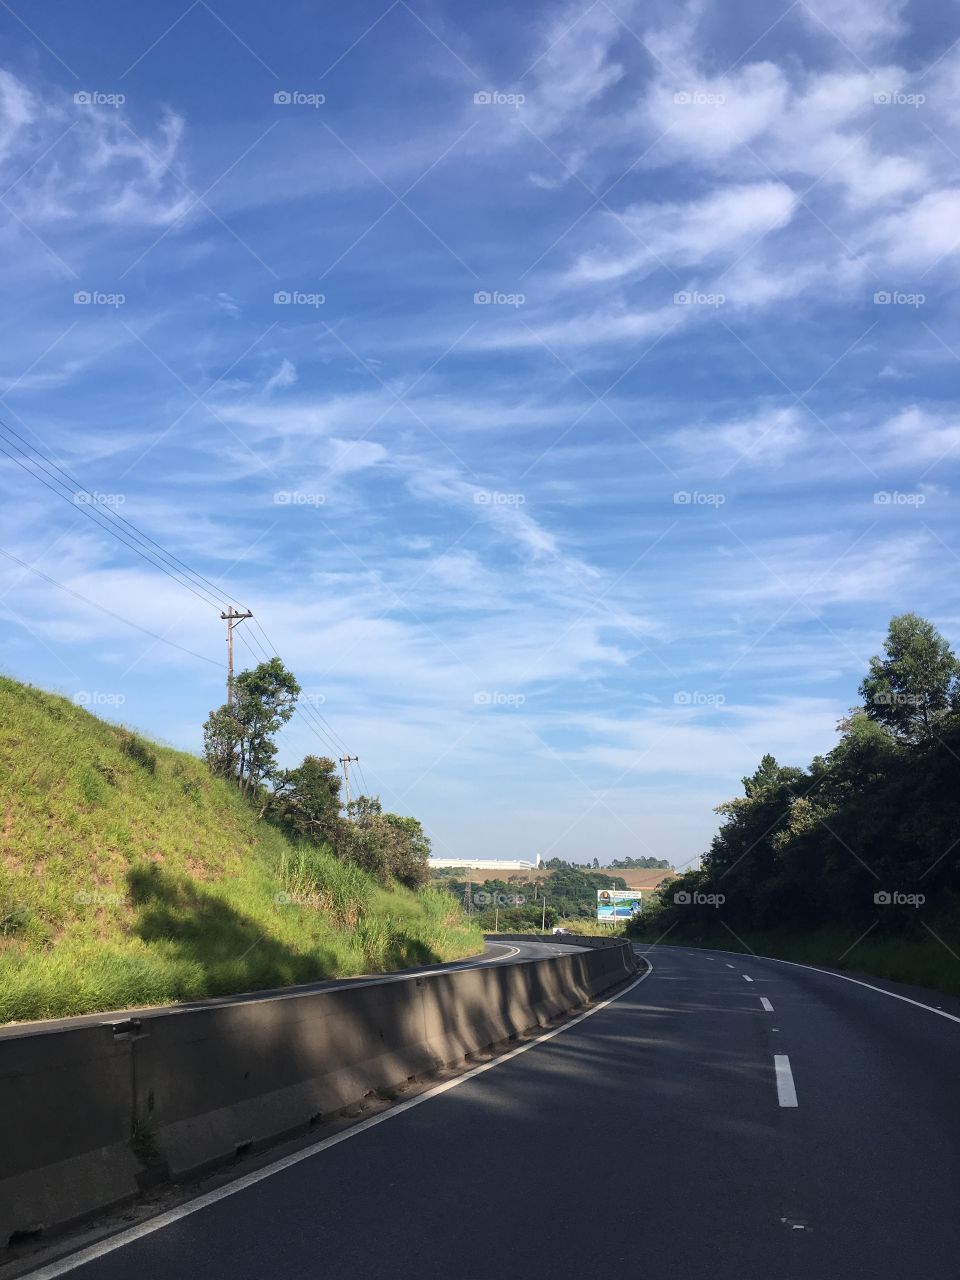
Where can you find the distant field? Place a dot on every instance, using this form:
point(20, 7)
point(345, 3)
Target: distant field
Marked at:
point(130, 876)
point(637, 878)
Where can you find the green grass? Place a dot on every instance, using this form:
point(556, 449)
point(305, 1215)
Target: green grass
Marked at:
point(919, 961)
point(129, 876)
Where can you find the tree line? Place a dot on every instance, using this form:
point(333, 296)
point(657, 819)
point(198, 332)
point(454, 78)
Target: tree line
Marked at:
point(239, 744)
point(867, 835)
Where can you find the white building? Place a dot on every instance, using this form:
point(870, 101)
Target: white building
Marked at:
point(484, 864)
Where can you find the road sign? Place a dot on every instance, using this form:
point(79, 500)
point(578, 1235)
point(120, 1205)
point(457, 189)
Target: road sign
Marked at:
point(618, 904)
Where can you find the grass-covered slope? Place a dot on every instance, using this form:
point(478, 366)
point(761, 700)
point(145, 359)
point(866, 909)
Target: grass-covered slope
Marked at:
point(129, 876)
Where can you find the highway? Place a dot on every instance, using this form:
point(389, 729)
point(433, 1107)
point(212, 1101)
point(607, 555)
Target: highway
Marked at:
point(723, 1116)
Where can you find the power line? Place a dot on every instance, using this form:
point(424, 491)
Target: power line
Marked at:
point(147, 548)
point(93, 604)
point(181, 566)
point(92, 513)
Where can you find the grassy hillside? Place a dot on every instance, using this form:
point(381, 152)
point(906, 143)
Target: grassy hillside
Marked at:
point(130, 876)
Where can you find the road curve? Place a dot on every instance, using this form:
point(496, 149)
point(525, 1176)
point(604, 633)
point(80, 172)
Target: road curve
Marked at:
point(493, 953)
point(797, 1126)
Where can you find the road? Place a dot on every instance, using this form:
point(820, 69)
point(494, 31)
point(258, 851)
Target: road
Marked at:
point(653, 1137)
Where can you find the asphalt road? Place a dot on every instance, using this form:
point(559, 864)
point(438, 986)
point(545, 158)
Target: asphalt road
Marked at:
point(654, 1137)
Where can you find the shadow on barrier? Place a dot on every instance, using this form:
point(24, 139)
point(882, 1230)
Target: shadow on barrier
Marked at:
point(93, 1113)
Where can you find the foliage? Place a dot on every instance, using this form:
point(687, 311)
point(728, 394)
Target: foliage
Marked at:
point(570, 891)
point(646, 864)
point(386, 844)
point(306, 801)
point(864, 839)
point(122, 885)
point(238, 739)
point(917, 684)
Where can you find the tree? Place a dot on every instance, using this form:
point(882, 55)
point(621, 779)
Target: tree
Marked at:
point(306, 800)
point(387, 845)
point(917, 684)
point(238, 738)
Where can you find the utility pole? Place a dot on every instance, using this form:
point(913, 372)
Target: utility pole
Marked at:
point(346, 761)
point(543, 918)
point(468, 895)
point(231, 618)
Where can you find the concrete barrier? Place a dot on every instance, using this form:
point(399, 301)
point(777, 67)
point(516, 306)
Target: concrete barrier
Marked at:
point(92, 1114)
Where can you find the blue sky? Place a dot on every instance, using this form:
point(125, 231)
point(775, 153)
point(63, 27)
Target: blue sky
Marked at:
point(567, 388)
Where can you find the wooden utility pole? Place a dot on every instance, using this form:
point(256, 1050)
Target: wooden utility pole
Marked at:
point(231, 618)
point(346, 762)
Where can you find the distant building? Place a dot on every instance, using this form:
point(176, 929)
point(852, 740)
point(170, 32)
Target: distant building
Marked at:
point(484, 864)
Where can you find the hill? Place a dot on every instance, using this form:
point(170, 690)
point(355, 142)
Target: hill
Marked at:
point(130, 876)
point(640, 877)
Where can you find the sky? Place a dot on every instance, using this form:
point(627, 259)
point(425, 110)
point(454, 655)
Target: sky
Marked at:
point(568, 389)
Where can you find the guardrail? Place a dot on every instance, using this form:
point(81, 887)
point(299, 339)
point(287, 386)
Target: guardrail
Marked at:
point(91, 1114)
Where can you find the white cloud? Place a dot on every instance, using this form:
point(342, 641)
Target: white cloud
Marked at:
point(764, 439)
point(859, 24)
point(285, 376)
point(69, 162)
point(688, 234)
point(921, 235)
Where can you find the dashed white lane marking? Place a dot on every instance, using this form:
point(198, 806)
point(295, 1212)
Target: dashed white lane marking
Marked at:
point(746, 977)
point(766, 1004)
point(731, 966)
point(894, 995)
point(786, 1089)
point(70, 1263)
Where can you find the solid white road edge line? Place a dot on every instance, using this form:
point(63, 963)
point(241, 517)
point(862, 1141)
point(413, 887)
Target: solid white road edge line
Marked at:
point(766, 1004)
point(786, 1089)
point(70, 1263)
point(857, 982)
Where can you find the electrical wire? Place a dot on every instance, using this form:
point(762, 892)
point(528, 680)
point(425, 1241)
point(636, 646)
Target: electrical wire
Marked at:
point(147, 548)
point(109, 612)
